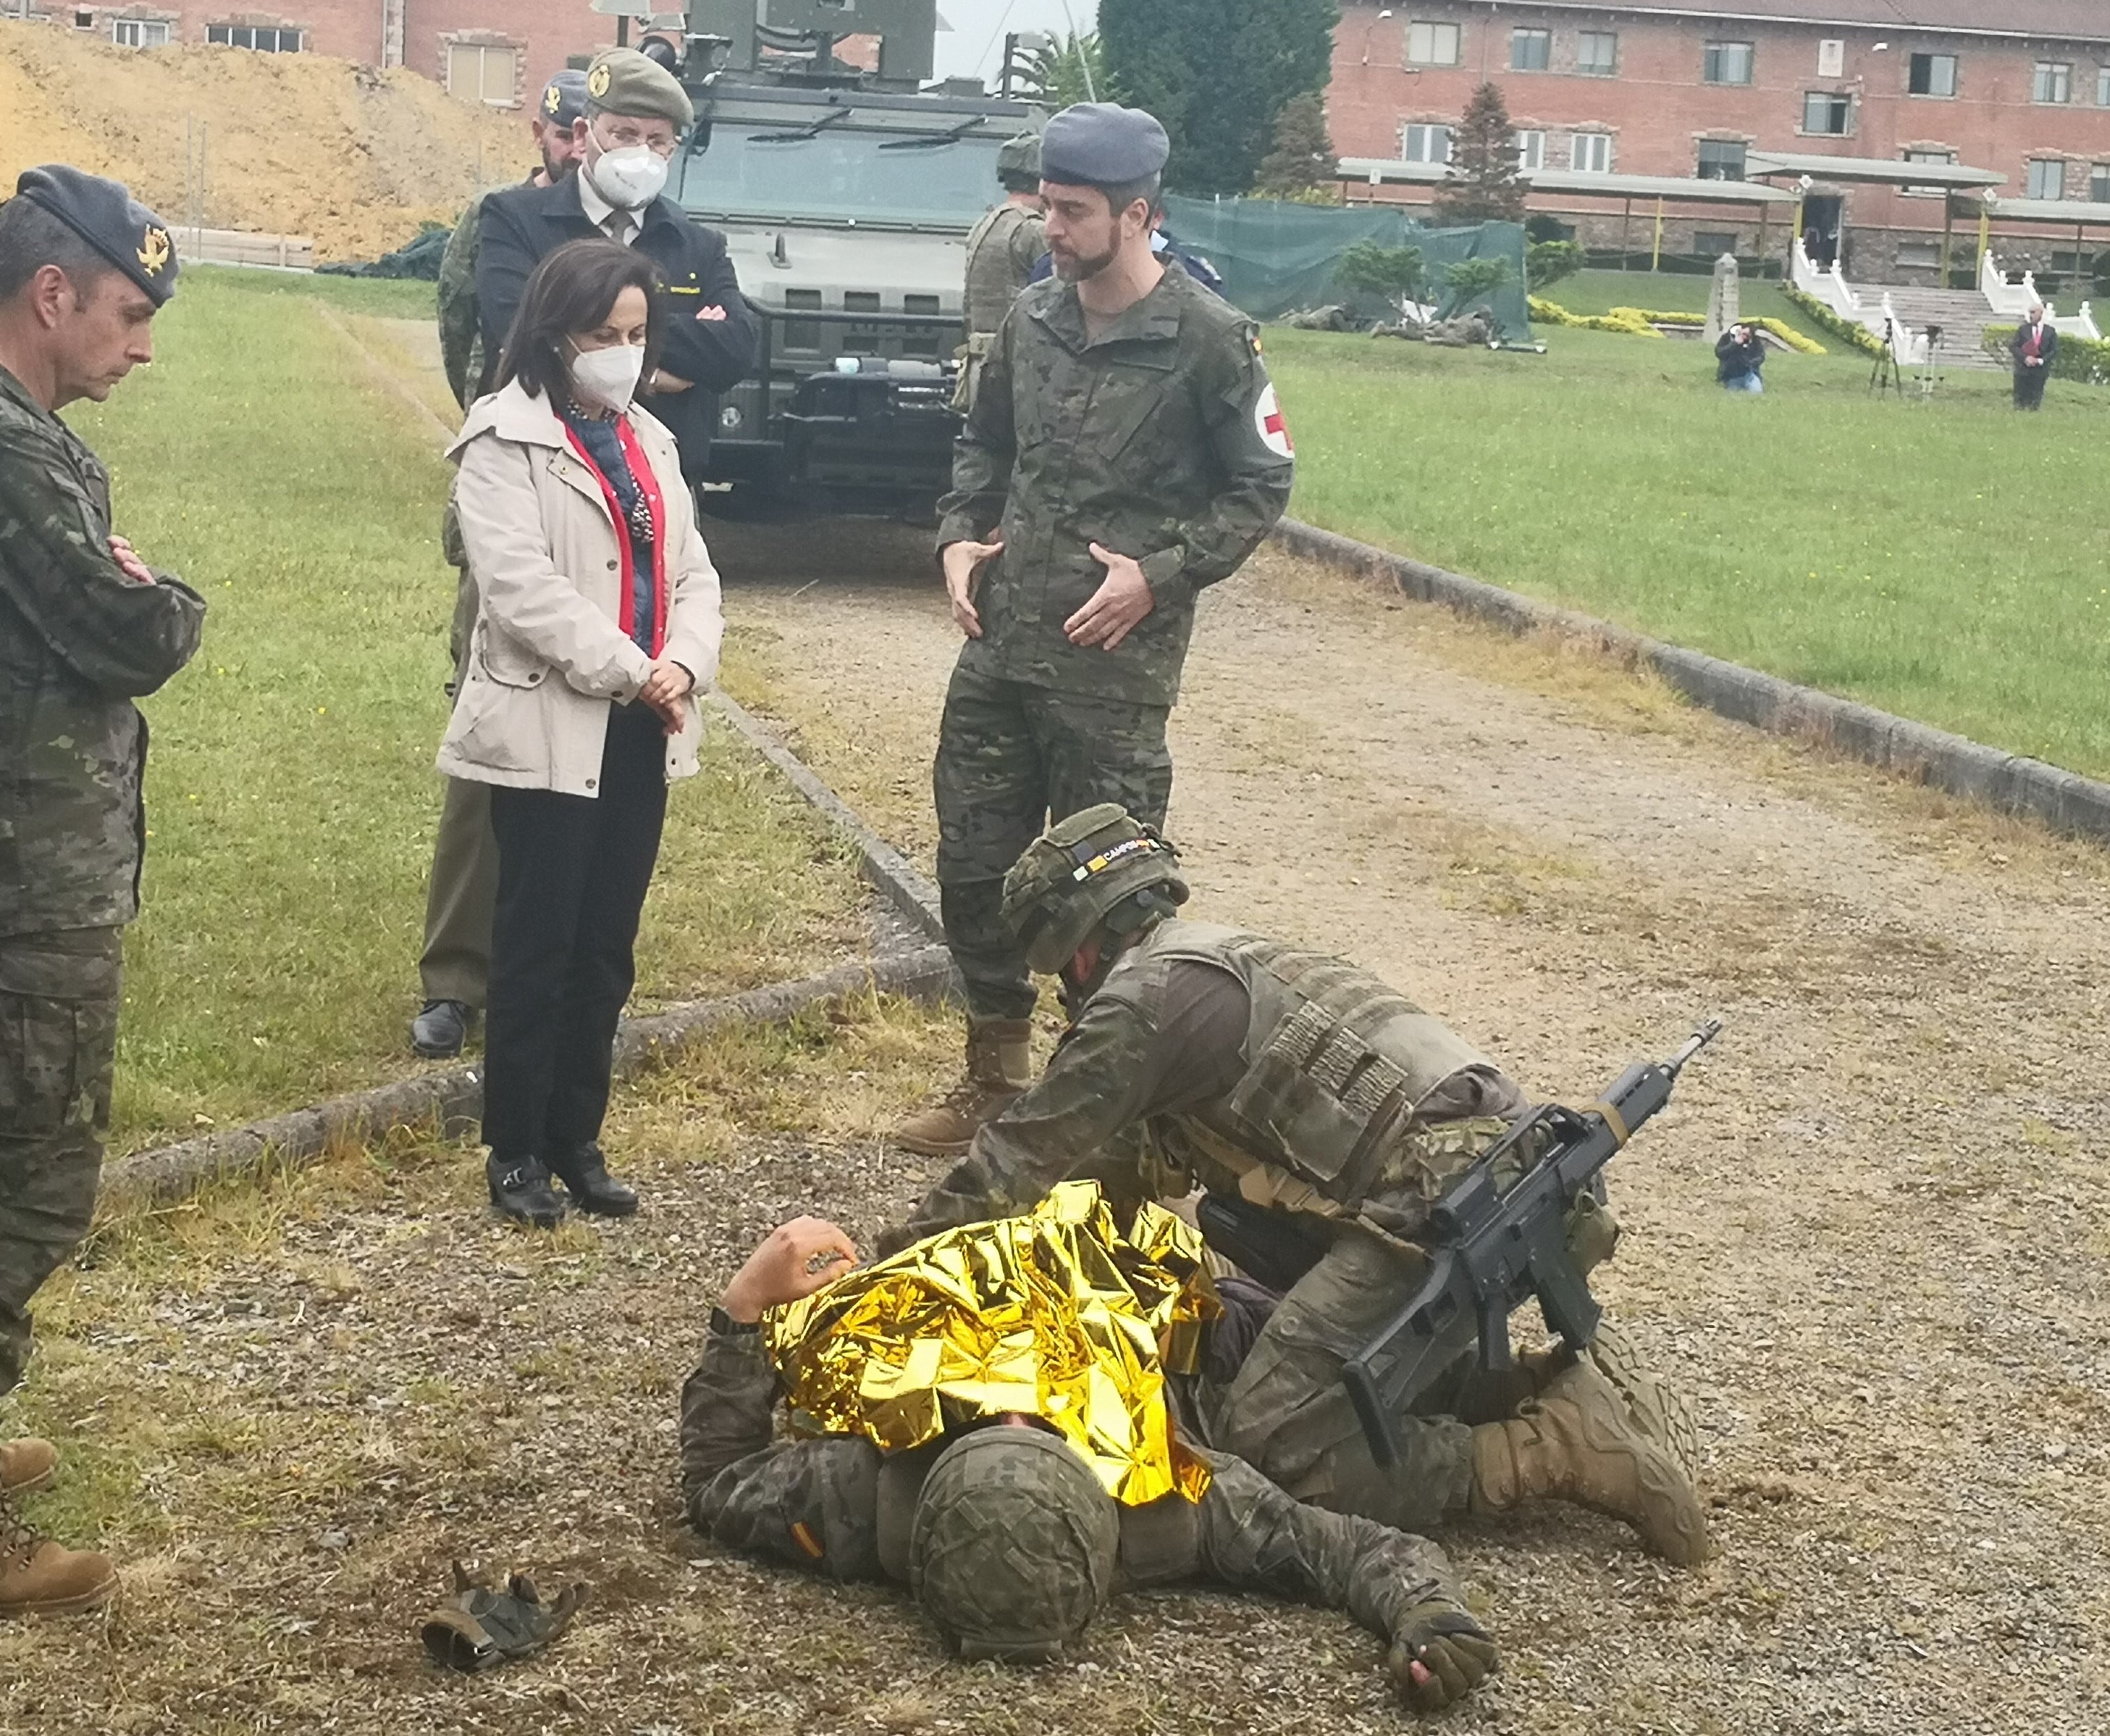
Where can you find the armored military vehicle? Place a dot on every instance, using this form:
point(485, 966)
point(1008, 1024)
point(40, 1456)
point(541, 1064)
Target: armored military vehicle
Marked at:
point(845, 188)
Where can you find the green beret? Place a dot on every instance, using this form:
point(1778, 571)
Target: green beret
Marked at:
point(1101, 144)
point(105, 214)
point(622, 81)
point(1020, 155)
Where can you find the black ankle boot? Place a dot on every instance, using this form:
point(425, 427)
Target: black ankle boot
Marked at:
point(520, 1189)
point(585, 1175)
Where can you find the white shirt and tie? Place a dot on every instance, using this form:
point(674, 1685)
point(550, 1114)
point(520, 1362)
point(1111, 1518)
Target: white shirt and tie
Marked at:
point(612, 220)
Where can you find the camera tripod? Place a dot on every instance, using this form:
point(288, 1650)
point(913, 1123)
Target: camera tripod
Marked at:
point(1883, 377)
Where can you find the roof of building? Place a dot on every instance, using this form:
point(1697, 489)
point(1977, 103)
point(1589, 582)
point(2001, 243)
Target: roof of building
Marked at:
point(2062, 20)
point(2079, 212)
point(1378, 169)
point(1887, 170)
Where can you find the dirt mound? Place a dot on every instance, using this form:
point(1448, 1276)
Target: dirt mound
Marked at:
point(295, 144)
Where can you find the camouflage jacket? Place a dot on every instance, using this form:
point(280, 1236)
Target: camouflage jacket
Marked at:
point(1001, 250)
point(461, 332)
point(1142, 1094)
point(1160, 439)
point(815, 1503)
point(79, 641)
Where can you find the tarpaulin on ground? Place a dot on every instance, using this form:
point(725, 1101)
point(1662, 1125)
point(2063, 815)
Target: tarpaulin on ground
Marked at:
point(1276, 257)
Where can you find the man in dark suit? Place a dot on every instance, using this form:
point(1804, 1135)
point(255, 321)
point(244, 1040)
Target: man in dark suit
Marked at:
point(636, 112)
point(2033, 346)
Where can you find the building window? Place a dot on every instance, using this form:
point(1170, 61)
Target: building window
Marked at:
point(1590, 153)
point(2053, 82)
point(265, 38)
point(2098, 184)
point(1831, 58)
point(1919, 253)
point(2103, 87)
point(2047, 178)
point(1421, 143)
point(1926, 156)
point(483, 74)
point(1721, 160)
point(1530, 51)
point(1431, 45)
point(139, 33)
point(1713, 243)
point(1727, 63)
point(1931, 74)
point(1597, 53)
point(1531, 150)
point(84, 20)
point(1826, 111)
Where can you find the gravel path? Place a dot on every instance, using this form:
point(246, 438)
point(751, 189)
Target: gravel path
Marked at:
point(1868, 1235)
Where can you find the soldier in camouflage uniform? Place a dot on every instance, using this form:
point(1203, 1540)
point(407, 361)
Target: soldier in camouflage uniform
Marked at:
point(1005, 1534)
point(85, 628)
point(1203, 1057)
point(1002, 250)
point(464, 887)
point(1125, 450)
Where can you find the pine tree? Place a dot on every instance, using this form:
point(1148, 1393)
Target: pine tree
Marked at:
point(1482, 186)
point(1302, 159)
point(1217, 73)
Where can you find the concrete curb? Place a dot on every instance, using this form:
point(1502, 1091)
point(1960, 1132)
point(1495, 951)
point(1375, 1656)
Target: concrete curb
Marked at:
point(448, 1100)
point(898, 880)
point(2012, 783)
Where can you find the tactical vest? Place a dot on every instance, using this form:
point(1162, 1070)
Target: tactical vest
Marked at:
point(993, 281)
point(1336, 1064)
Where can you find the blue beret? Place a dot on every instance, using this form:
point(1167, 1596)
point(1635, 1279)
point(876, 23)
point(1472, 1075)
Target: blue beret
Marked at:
point(107, 216)
point(1101, 144)
point(564, 98)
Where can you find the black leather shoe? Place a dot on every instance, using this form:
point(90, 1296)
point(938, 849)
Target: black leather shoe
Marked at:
point(586, 1178)
point(521, 1190)
point(439, 1030)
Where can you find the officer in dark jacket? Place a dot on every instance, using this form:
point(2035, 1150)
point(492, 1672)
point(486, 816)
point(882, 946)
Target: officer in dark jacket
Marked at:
point(636, 112)
point(85, 628)
point(2035, 344)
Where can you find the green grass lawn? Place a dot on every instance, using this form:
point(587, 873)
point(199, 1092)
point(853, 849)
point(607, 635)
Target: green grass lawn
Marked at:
point(291, 791)
point(1943, 560)
point(1676, 292)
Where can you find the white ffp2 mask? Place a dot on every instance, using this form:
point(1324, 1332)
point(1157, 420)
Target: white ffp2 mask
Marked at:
point(629, 178)
point(607, 377)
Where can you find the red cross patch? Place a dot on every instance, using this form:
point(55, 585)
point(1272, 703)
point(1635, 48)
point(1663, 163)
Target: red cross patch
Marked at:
point(1268, 419)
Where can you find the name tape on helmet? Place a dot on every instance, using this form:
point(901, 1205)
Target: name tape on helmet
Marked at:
point(1121, 852)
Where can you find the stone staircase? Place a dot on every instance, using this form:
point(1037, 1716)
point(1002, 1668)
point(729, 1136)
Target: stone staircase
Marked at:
point(1961, 314)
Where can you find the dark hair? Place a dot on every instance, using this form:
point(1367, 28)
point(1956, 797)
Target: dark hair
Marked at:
point(1150, 189)
point(31, 237)
point(573, 290)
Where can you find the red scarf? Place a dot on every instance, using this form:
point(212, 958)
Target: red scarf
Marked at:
point(640, 472)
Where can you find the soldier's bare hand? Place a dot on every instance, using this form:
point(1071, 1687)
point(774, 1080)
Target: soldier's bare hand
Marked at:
point(1122, 600)
point(130, 564)
point(794, 1260)
point(962, 562)
point(711, 311)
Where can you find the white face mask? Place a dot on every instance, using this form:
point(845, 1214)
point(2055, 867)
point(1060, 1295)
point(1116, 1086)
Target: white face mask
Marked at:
point(607, 378)
point(630, 178)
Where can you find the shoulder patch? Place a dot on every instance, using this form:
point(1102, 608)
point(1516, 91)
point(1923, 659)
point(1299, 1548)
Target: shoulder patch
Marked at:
point(1268, 423)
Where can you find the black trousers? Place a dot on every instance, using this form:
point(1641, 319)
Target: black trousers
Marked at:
point(572, 871)
point(2028, 387)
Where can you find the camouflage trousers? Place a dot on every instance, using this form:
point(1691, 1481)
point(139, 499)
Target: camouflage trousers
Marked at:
point(461, 893)
point(59, 997)
point(1011, 758)
point(1286, 1413)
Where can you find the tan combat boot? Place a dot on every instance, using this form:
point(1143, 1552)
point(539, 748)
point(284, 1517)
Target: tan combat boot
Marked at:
point(39, 1578)
point(999, 1066)
point(26, 1464)
point(1665, 1415)
point(1578, 1441)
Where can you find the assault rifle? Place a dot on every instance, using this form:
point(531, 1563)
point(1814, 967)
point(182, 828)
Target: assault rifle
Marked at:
point(1490, 1251)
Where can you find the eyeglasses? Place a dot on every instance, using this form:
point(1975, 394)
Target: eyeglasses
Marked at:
point(627, 135)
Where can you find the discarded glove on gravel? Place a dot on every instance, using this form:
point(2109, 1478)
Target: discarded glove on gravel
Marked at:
point(478, 1627)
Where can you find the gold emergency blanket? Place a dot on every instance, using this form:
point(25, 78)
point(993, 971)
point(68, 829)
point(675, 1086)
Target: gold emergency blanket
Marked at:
point(1055, 1314)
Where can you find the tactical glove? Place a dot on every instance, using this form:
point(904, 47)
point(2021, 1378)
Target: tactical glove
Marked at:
point(478, 1627)
point(1453, 1649)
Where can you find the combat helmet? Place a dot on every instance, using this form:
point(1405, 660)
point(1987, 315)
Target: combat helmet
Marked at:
point(1013, 1545)
point(1098, 868)
point(1018, 162)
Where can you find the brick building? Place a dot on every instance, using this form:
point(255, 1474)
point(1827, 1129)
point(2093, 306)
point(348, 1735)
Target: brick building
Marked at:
point(485, 50)
point(1695, 88)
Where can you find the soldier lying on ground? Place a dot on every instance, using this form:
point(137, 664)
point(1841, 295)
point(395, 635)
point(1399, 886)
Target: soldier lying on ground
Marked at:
point(1201, 1057)
point(1008, 1537)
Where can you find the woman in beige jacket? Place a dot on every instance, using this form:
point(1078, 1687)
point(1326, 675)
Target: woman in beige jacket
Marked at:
point(599, 621)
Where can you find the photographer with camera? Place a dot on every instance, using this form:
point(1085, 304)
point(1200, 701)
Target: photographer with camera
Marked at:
point(1739, 353)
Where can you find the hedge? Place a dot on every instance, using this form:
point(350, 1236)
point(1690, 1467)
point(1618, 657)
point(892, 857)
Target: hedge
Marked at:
point(1818, 315)
point(2083, 359)
point(1638, 322)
